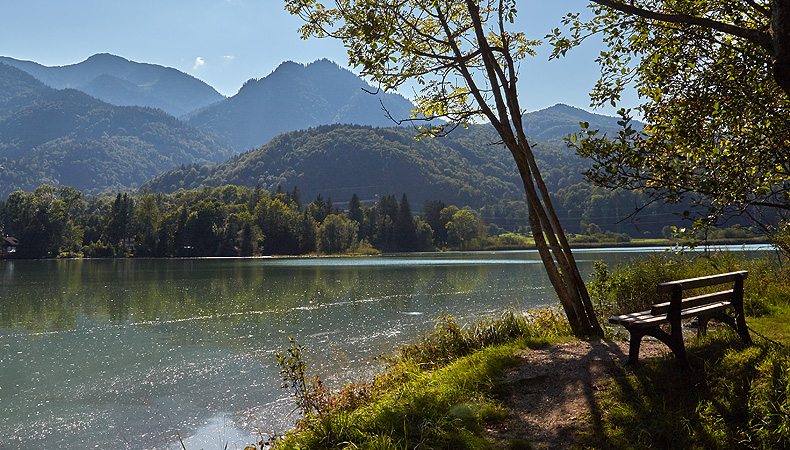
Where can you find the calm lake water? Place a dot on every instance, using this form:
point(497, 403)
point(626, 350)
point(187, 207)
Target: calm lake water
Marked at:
point(132, 354)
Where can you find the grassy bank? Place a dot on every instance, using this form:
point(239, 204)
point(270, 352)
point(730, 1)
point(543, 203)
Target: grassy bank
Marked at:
point(437, 392)
point(738, 395)
point(737, 398)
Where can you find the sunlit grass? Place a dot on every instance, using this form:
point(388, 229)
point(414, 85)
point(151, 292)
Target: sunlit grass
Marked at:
point(446, 408)
point(736, 398)
point(776, 325)
point(435, 393)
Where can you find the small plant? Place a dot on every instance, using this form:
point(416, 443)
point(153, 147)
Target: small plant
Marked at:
point(310, 394)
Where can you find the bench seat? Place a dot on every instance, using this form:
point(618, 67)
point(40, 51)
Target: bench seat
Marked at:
point(647, 319)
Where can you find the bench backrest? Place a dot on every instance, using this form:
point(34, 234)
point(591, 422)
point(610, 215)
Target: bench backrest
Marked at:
point(711, 280)
point(677, 287)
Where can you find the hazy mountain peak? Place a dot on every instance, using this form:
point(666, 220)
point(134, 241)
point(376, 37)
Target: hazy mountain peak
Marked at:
point(174, 92)
point(297, 96)
point(106, 57)
point(556, 122)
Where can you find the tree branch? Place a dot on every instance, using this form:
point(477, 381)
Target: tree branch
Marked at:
point(759, 8)
point(760, 38)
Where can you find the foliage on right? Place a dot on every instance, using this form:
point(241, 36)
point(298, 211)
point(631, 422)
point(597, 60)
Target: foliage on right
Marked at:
point(714, 82)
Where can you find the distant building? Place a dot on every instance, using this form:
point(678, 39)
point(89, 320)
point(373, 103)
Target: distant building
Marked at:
point(9, 245)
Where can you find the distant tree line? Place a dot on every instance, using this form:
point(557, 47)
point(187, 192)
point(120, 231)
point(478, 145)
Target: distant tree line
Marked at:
point(225, 221)
point(242, 221)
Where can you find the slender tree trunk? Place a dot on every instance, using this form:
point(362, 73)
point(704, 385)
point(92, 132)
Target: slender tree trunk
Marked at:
point(556, 257)
point(505, 116)
point(564, 248)
point(537, 218)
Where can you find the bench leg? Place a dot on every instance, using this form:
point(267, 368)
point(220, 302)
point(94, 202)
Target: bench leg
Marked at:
point(702, 325)
point(635, 342)
point(679, 349)
point(738, 323)
point(743, 330)
point(675, 343)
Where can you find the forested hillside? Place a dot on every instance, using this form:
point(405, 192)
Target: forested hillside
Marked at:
point(296, 97)
point(339, 160)
point(121, 82)
point(65, 137)
point(555, 123)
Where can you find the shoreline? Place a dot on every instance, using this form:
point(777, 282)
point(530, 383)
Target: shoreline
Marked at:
point(668, 244)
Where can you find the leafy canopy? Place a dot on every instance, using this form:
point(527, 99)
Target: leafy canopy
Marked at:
point(718, 124)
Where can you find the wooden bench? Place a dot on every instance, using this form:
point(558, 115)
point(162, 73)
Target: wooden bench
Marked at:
point(704, 307)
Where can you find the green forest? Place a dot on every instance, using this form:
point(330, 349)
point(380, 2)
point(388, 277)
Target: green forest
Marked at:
point(241, 221)
point(463, 169)
point(226, 221)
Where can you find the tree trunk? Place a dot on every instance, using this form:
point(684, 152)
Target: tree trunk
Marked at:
point(780, 32)
point(556, 257)
point(545, 226)
point(580, 293)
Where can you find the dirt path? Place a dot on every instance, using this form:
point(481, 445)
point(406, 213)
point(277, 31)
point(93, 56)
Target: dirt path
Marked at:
point(552, 391)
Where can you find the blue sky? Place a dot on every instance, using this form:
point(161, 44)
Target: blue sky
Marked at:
point(226, 42)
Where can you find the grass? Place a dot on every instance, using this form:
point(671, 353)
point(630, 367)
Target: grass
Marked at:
point(632, 287)
point(446, 408)
point(434, 393)
point(736, 398)
point(774, 325)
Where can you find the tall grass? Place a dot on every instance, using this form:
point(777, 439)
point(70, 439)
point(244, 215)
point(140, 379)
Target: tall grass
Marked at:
point(738, 396)
point(433, 393)
point(448, 341)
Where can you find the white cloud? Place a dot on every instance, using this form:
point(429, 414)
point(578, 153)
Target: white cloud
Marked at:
point(199, 62)
point(228, 57)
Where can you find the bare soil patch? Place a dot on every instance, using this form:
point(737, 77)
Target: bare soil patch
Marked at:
point(551, 393)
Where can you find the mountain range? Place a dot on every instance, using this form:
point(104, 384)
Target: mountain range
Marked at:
point(66, 137)
point(121, 82)
point(57, 126)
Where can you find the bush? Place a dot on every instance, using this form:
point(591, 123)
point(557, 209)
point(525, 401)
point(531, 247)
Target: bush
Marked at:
point(98, 250)
point(632, 287)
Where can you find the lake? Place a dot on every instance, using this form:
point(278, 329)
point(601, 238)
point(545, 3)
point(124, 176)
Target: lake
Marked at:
point(135, 353)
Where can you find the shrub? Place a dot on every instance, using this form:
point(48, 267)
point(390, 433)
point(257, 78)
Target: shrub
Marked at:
point(632, 287)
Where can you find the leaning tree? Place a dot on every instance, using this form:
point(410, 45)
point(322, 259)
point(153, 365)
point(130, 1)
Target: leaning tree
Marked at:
point(465, 59)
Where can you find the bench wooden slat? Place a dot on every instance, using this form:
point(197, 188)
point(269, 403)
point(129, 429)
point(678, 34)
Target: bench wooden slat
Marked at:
point(645, 319)
point(693, 283)
point(691, 302)
point(628, 318)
